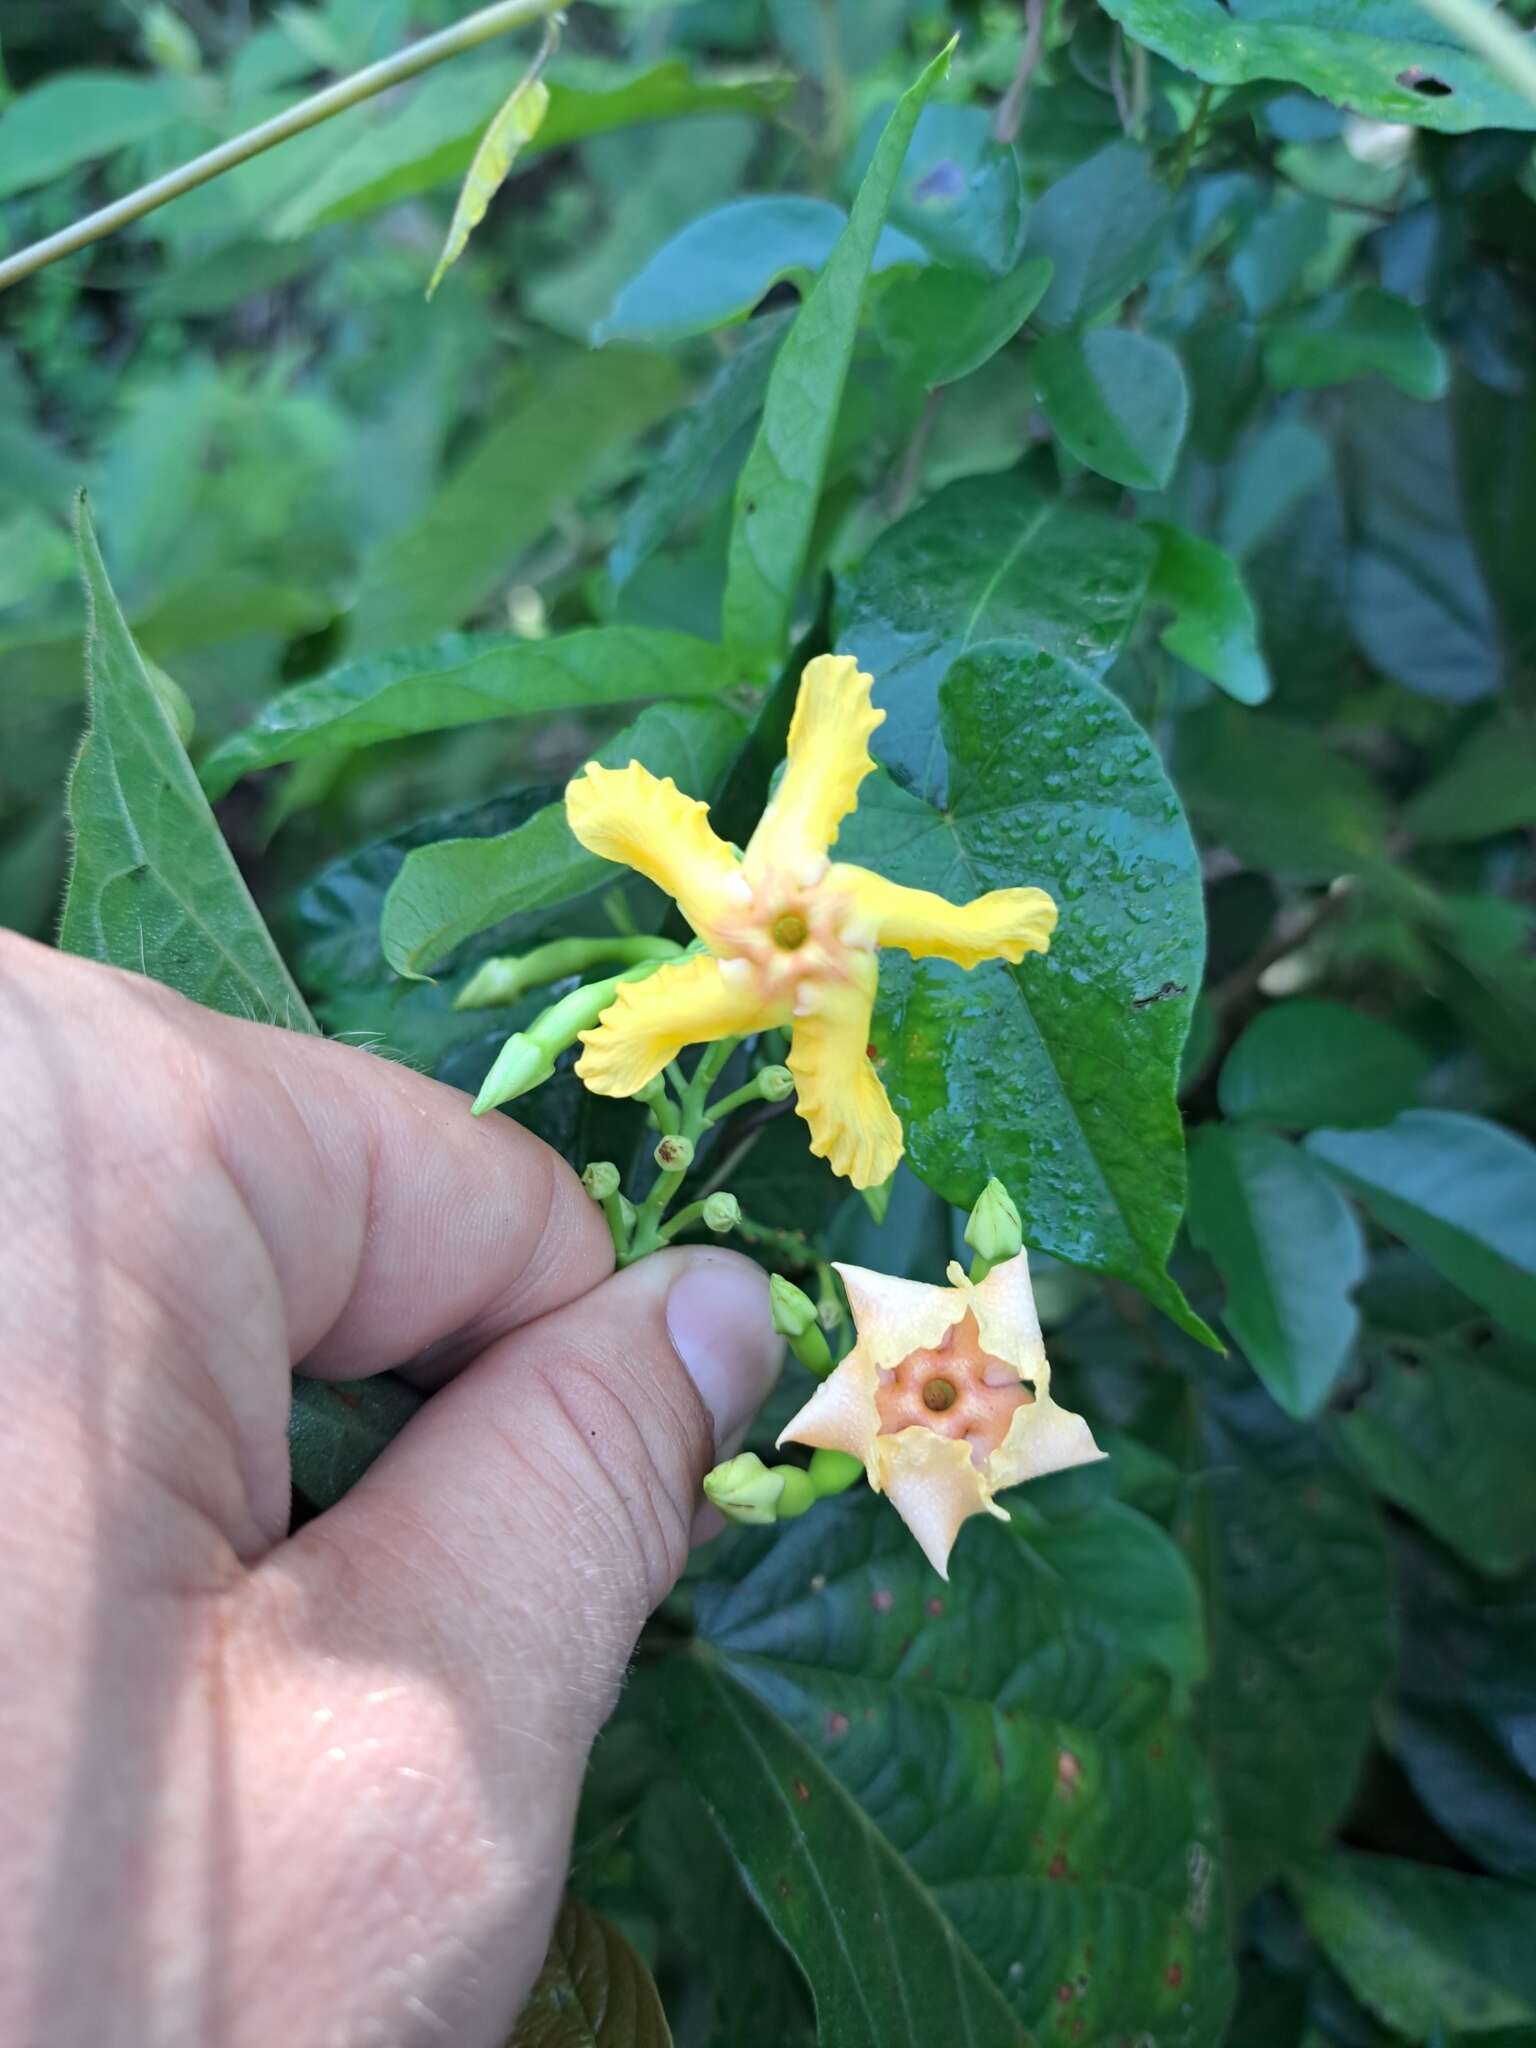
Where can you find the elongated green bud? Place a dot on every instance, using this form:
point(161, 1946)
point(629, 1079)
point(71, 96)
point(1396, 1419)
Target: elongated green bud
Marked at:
point(720, 1213)
point(521, 1064)
point(511, 976)
point(795, 1318)
point(775, 1084)
point(744, 1490)
point(601, 1179)
point(529, 1056)
point(993, 1230)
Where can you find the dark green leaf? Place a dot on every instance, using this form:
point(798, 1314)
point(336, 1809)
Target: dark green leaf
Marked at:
point(1460, 1718)
point(1289, 1253)
point(1213, 628)
point(1458, 1189)
point(336, 1428)
point(780, 484)
point(461, 679)
point(1495, 432)
point(1289, 1550)
point(566, 418)
point(714, 271)
point(153, 886)
point(1489, 787)
point(1350, 334)
point(1391, 62)
point(1308, 1062)
point(1276, 252)
point(1001, 1071)
point(1102, 226)
point(672, 484)
point(1418, 603)
point(996, 558)
point(942, 324)
point(1116, 400)
point(1277, 795)
point(993, 1735)
point(447, 892)
point(1422, 1947)
point(593, 1991)
point(1445, 1430)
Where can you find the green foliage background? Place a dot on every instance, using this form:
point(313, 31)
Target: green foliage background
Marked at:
point(1162, 434)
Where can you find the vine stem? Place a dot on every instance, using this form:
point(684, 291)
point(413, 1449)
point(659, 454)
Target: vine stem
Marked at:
point(1492, 35)
point(1009, 114)
point(421, 56)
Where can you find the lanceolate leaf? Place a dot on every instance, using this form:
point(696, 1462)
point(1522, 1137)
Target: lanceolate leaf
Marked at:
point(153, 886)
point(1460, 1190)
point(462, 678)
point(448, 891)
point(1392, 63)
point(987, 1743)
point(780, 484)
point(996, 558)
point(593, 1991)
point(1002, 1071)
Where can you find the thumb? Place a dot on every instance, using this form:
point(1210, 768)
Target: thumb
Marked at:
point(477, 1597)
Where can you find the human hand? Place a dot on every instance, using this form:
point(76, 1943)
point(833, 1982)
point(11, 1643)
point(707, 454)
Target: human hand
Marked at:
point(319, 1789)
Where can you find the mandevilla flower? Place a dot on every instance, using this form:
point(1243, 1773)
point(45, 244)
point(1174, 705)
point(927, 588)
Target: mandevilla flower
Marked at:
point(946, 1396)
point(791, 938)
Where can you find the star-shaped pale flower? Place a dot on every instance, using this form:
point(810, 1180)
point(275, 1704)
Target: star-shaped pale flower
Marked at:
point(946, 1396)
point(791, 937)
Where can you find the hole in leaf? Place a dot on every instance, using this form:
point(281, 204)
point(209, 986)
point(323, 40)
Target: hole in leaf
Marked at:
point(1425, 83)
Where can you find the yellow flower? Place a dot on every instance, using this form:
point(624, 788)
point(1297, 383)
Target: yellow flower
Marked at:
point(946, 1396)
point(791, 936)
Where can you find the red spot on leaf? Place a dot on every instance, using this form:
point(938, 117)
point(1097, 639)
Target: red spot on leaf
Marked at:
point(784, 1889)
point(1063, 1994)
point(882, 1599)
point(802, 1790)
point(1155, 1752)
point(1057, 1867)
point(1069, 1773)
point(934, 1604)
point(836, 1726)
point(1175, 1974)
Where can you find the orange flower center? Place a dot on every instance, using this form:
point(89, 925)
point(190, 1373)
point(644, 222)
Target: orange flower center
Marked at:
point(790, 930)
point(956, 1390)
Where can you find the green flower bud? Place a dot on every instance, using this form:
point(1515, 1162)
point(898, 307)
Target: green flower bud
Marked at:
point(521, 1064)
point(169, 43)
point(744, 1490)
point(775, 1084)
point(794, 1312)
point(721, 1213)
point(993, 1230)
point(601, 1180)
point(653, 1091)
point(834, 1471)
point(674, 1154)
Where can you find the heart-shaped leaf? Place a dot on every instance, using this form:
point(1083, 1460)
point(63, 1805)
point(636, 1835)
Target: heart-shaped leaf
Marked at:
point(1116, 400)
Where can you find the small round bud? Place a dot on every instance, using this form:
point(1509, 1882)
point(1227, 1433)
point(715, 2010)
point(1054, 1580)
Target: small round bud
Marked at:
point(993, 1230)
point(775, 1084)
point(721, 1213)
point(674, 1154)
point(829, 1315)
point(794, 1312)
point(744, 1490)
point(601, 1180)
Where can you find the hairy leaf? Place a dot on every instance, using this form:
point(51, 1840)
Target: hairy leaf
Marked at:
point(153, 886)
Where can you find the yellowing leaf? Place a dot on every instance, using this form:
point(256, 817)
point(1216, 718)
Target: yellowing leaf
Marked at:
point(516, 123)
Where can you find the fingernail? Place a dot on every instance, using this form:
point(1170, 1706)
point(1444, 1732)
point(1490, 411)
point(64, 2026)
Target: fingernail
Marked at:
point(721, 1326)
